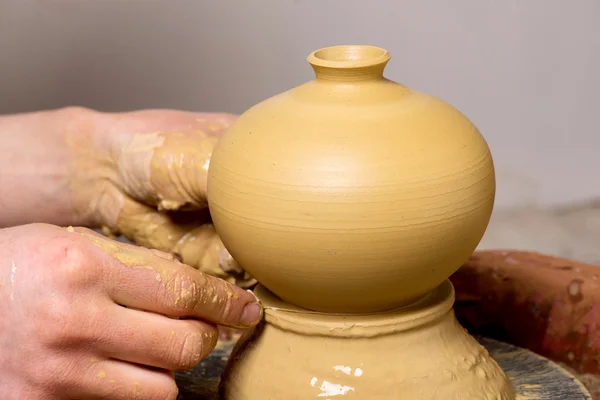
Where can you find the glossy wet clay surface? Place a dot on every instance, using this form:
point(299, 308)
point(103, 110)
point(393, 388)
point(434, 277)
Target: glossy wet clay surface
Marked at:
point(533, 377)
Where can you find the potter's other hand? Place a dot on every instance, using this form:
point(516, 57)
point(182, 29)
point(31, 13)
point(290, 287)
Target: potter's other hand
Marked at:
point(84, 316)
point(143, 175)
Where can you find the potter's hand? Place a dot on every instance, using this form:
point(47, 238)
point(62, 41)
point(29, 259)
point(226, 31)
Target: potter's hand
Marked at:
point(66, 335)
point(143, 175)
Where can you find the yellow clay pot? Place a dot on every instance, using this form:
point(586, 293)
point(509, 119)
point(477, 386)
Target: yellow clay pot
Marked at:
point(351, 193)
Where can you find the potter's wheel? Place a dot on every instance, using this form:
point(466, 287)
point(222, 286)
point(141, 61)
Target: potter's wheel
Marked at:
point(533, 377)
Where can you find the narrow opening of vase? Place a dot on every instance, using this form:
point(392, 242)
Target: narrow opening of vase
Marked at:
point(349, 63)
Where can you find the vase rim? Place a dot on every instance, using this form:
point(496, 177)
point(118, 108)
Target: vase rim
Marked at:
point(349, 56)
point(428, 309)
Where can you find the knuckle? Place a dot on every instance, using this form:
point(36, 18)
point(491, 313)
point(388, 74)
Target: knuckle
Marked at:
point(69, 258)
point(229, 312)
point(43, 374)
point(226, 302)
point(55, 322)
point(195, 346)
point(181, 292)
point(53, 327)
point(185, 294)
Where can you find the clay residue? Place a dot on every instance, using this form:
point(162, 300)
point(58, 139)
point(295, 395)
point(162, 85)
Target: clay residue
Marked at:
point(132, 190)
point(191, 238)
point(168, 169)
point(135, 164)
point(529, 392)
point(129, 256)
point(92, 176)
point(188, 291)
point(180, 170)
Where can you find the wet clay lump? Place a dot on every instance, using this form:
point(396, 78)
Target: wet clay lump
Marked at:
point(418, 352)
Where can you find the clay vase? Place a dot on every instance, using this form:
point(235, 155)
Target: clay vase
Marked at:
point(351, 193)
point(351, 199)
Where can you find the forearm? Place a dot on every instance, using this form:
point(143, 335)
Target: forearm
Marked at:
point(35, 167)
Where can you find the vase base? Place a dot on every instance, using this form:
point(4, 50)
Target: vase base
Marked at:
point(417, 352)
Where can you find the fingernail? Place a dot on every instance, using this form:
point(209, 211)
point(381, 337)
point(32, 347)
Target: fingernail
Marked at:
point(251, 315)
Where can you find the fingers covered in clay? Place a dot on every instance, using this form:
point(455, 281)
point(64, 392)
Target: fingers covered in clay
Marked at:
point(143, 175)
point(168, 169)
point(158, 341)
point(88, 317)
point(188, 236)
point(157, 284)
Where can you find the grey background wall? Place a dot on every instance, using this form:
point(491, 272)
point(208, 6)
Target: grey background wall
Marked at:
point(526, 72)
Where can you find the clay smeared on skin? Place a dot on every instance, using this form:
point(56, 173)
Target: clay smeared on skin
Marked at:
point(134, 164)
point(195, 244)
point(133, 187)
point(198, 290)
point(169, 169)
point(93, 175)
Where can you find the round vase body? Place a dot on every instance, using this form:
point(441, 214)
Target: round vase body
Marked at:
point(351, 193)
point(419, 352)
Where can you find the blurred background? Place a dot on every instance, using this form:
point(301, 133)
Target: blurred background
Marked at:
point(525, 72)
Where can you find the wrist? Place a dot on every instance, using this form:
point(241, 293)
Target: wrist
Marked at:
point(35, 166)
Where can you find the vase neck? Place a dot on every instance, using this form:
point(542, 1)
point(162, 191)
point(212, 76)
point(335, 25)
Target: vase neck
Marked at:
point(349, 63)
